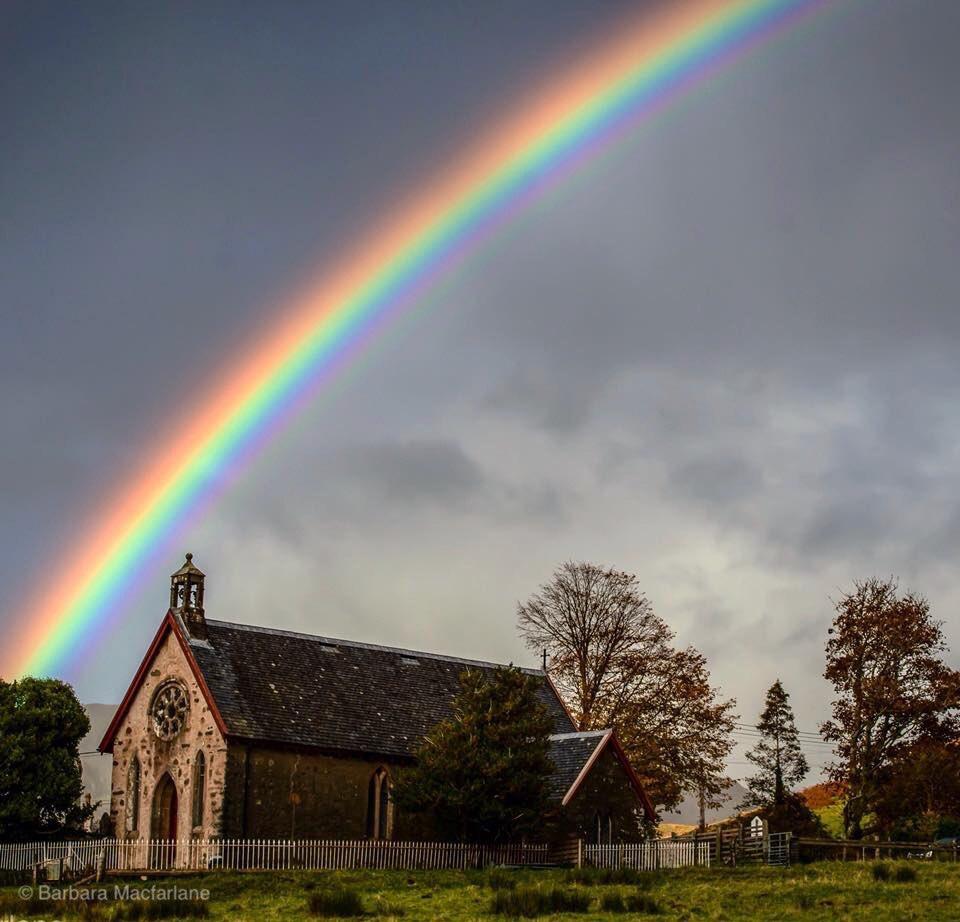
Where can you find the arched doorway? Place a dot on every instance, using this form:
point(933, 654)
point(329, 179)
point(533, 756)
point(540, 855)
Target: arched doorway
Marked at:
point(163, 823)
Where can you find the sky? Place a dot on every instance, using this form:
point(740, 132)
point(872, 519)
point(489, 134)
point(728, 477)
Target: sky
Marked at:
point(722, 357)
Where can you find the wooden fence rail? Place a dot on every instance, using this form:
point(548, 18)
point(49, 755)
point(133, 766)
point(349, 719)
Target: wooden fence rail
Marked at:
point(859, 850)
point(264, 854)
point(649, 856)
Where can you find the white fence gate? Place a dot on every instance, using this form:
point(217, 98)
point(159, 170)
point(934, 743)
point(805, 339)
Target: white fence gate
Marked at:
point(649, 856)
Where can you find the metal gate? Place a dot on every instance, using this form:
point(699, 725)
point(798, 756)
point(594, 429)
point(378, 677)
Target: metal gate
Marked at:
point(778, 849)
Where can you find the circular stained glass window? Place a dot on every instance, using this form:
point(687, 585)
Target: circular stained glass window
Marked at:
point(169, 710)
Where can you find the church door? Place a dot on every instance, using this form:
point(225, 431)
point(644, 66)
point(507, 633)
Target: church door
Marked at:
point(163, 825)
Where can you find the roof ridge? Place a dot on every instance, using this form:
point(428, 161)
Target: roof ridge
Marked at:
point(336, 641)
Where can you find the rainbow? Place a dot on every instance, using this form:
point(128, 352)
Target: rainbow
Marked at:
point(648, 62)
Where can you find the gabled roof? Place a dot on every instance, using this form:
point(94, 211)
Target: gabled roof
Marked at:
point(167, 626)
point(296, 689)
point(574, 755)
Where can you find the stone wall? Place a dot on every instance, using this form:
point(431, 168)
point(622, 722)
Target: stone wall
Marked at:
point(176, 757)
point(278, 793)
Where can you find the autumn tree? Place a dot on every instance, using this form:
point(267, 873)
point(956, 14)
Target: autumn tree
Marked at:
point(780, 762)
point(482, 773)
point(885, 661)
point(41, 725)
point(919, 797)
point(614, 662)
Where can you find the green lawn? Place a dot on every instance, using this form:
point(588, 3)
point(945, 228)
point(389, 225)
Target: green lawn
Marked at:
point(819, 891)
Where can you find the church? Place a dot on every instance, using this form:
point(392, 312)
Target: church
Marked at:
point(251, 732)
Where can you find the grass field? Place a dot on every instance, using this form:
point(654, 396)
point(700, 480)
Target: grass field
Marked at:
point(828, 891)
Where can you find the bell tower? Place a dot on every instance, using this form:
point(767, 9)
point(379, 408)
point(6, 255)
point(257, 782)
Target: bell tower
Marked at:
point(186, 598)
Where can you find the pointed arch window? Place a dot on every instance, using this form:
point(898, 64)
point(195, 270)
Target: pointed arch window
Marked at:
point(379, 808)
point(199, 787)
point(133, 795)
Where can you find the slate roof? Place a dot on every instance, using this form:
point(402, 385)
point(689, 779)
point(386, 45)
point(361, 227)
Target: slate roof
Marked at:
point(569, 753)
point(337, 695)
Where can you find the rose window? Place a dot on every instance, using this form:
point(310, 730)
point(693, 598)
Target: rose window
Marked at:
point(169, 710)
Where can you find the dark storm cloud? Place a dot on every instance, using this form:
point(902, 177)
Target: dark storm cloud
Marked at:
point(723, 357)
point(387, 482)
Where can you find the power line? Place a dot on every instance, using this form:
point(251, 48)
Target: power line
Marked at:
point(808, 733)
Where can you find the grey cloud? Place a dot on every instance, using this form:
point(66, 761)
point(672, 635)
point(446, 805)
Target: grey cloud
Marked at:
point(415, 472)
point(723, 356)
point(718, 481)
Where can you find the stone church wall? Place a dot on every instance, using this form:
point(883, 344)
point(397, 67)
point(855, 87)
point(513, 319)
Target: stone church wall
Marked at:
point(277, 793)
point(175, 757)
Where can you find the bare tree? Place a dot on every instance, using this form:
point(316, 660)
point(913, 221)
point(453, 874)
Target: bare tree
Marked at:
point(885, 660)
point(614, 663)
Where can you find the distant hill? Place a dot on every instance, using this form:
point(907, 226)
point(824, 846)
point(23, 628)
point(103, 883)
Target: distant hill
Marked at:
point(97, 768)
point(688, 812)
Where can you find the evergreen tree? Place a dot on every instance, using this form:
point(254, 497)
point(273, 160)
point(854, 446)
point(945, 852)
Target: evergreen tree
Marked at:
point(778, 757)
point(482, 773)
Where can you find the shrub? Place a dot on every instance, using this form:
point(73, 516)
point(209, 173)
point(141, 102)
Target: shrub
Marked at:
point(340, 902)
point(905, 874)
point(530, 902)
point(598, 876)
point(612, 901)
point(561, 900)
point(641, 903)
point(881, 871)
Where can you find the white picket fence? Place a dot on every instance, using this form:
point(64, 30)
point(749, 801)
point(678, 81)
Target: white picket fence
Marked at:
point(329, 854)
point(265, 854)
point(649, 856)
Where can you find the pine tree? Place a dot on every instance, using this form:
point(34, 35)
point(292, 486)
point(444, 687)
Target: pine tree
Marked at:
point(778, 757)
point(482, 774)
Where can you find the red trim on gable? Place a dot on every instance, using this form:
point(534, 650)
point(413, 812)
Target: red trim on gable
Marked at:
point(169, 623)
point(633, 776)
point(588, 765)
point(611, 738)
point(198, 675)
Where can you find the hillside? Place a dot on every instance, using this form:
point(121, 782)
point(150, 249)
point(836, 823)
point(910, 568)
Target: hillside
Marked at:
point(688, 811)
point(96, 767)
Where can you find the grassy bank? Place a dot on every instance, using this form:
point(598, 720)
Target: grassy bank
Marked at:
point(823, 891)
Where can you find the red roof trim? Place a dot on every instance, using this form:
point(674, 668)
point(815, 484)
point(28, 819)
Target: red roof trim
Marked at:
point(169, 623)
point(586, 768)
point(633, 776)
point(611, 738)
